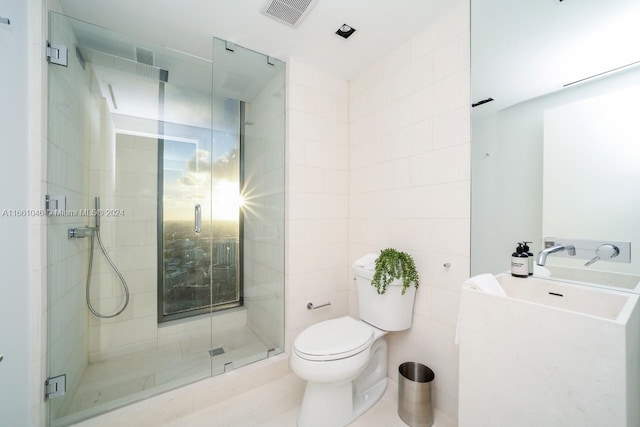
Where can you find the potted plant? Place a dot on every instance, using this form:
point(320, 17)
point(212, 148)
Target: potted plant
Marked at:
point(392, 265)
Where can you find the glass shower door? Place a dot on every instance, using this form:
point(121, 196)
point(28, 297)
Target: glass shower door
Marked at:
point(115, 110)
point(255, 83)
point(166, 247)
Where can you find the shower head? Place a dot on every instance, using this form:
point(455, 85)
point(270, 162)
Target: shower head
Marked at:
point(106, 60)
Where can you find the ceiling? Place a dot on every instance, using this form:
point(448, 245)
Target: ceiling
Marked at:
point(188, 26)
point(520, 49)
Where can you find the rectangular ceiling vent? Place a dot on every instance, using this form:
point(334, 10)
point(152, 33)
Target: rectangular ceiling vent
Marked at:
point(290, 12)
point(144, 56)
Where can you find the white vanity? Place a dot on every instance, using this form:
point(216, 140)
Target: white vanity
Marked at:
point(549, 353)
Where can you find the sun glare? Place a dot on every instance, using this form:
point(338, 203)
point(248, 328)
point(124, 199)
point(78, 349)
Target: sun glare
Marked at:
point(227, 201)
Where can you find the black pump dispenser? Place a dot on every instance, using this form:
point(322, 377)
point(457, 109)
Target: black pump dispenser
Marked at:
point(520, 263)
point(525, 249)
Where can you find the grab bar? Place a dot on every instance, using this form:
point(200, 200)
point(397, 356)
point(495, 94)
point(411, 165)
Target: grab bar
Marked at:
point(198, 219)
point(311, 307)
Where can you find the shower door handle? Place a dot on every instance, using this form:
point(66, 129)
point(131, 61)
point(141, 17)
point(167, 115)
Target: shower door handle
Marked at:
point(198, 219)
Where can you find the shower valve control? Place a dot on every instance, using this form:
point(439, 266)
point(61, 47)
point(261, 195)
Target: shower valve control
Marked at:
point(79, 233)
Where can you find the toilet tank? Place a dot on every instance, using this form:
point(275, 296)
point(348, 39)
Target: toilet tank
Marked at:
point(390, 311)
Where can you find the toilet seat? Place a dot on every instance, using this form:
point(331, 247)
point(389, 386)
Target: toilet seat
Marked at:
point(333, 339)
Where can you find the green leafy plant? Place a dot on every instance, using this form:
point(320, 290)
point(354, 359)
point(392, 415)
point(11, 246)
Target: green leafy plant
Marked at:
point(392, 264)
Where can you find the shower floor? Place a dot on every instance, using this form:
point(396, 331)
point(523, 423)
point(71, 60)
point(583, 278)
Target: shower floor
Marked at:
point(121, 380)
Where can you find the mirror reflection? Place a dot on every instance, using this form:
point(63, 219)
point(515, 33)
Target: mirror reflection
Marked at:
point(555, 153)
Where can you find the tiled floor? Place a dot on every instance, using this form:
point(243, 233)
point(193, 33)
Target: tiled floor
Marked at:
point(124, 379)
point(276, 404)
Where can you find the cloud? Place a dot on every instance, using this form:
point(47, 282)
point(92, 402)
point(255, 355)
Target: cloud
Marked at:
point(200, 169)
point(204, 182)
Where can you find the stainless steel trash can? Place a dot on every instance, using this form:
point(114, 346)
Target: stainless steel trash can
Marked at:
point(414, 394)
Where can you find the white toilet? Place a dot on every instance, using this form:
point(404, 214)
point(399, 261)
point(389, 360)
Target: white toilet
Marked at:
point(344, 360)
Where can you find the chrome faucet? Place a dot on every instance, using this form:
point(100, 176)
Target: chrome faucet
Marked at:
point(541, 259)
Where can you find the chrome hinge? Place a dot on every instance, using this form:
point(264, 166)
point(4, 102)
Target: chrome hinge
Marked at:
point(55, 386)
point(57, 54)
point(54, 204)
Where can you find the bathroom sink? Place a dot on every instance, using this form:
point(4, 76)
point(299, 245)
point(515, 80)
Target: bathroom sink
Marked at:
point(620, 281)
point(591, 301)
point(570, 350)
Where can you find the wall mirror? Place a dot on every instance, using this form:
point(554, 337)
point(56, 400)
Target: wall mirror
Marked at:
point(556, 152)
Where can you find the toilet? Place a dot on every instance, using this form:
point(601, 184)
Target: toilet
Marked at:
point(344, 360)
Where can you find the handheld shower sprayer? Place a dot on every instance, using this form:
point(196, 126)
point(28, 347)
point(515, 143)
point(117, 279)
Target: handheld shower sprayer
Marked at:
point(97, 212)
point(95, 235)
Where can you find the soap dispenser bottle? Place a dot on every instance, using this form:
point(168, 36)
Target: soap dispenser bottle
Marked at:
point(520, 262)
point(525, 249)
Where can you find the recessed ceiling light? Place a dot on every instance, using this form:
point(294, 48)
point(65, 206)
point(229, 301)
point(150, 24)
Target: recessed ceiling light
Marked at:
point(345, 31)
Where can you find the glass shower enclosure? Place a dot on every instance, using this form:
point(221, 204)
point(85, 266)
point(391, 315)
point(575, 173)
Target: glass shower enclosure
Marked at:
point(165, 190)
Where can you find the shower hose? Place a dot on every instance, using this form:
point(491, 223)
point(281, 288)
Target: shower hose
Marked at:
point(95, 234)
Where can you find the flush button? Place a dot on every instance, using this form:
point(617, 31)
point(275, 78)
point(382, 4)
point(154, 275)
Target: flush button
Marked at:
point(1, 357)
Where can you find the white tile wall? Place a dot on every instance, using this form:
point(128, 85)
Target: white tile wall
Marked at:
point(317, 196)
point(409, 184)
point(403, 179)
point(263, 216)
point(124, 176)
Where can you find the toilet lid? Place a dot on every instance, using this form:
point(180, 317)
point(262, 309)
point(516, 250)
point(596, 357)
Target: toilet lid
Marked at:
point(333, 339)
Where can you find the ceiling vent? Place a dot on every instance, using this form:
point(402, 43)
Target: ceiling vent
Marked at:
point(289, 12)
point(144, 56)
